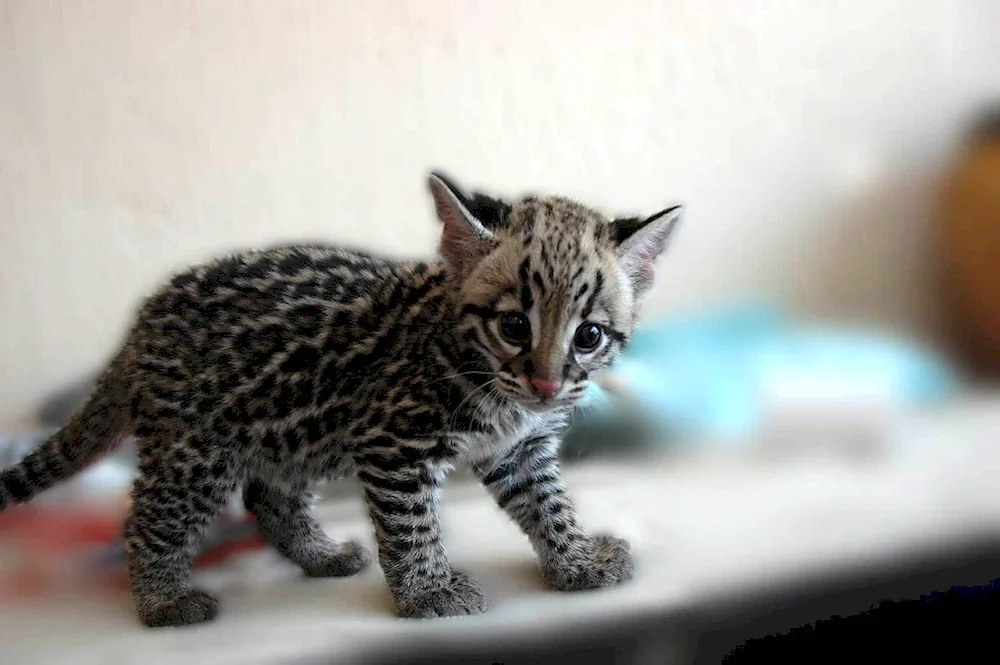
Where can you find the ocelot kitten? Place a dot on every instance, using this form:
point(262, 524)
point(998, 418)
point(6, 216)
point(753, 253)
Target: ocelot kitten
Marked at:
point(273, 369)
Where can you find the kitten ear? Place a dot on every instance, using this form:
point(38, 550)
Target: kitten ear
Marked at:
point(464, 240)
point(640, 243)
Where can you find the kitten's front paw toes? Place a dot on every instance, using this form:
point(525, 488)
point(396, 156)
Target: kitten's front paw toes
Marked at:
point(349, 559)
point(604, 561)
point(195, 606)
point(460, 596)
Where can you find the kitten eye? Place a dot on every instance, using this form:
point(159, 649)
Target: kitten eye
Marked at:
point(588, 337)
point(514, 328)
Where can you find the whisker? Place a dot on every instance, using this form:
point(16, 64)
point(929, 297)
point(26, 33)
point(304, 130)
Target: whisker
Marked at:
point(472, 393)
point(453, 376)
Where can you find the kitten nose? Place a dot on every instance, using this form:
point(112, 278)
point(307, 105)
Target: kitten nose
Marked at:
point(545, 388)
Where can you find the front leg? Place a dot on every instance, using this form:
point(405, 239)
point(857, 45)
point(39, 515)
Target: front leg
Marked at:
point(403, 499)
point(527, 484)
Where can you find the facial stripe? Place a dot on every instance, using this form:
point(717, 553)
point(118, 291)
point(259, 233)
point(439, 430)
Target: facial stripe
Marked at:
point(616, 335)
point(481, 333)
point(598, 286)
point(485, 313)
point(527, 300)
point(546, 261)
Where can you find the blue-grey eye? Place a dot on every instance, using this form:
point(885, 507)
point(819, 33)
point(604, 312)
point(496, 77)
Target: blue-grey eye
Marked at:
point(514, 328)
point(588, 337)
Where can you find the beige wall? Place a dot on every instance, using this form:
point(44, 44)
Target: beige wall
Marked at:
point(138, 136)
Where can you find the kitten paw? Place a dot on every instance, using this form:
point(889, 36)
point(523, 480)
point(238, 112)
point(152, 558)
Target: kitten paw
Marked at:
point(604, 561)
point(461, 596)
point(193, 607)
point(350, 559)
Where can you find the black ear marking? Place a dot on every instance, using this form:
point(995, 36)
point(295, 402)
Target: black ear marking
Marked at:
point(640, 242)
point(626, 227)
point(448, 182)
point(491, 212)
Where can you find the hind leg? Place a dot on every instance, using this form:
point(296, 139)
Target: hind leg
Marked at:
point(172, 504)
point(286, 520)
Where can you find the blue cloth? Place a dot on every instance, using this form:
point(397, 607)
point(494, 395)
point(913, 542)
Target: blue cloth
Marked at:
point(703, 375)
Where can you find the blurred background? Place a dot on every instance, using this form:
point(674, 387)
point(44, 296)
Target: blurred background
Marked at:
point(836, 277)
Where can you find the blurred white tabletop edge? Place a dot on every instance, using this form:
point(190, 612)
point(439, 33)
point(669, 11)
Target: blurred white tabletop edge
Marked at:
point(701, 526)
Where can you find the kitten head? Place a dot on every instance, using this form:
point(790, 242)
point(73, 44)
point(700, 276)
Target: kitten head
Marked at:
point(549, 288)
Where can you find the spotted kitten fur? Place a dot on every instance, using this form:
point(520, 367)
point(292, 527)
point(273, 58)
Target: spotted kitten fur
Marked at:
point(274, 369)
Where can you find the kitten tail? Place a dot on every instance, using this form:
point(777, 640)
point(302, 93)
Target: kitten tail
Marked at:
point(93, 431)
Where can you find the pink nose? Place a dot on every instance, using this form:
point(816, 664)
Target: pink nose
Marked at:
point(545, 388)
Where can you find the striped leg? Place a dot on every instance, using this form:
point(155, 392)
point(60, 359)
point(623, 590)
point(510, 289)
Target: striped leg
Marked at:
point(528, 486)
point(403, 500)
point(287, 522)
point(172, 504)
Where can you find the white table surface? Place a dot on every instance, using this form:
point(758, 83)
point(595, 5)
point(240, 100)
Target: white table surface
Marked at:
point(701, 527)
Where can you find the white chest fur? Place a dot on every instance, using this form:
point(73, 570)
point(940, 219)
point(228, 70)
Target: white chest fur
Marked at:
point(479, 447)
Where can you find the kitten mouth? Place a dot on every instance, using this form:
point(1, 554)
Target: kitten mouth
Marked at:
point(525, 401)
point(539, 405)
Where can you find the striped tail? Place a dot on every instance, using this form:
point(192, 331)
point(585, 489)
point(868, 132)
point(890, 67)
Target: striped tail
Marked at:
point(93, 431)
